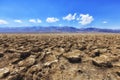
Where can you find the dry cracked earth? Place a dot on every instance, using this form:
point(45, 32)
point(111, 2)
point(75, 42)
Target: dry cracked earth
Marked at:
point(59, 57)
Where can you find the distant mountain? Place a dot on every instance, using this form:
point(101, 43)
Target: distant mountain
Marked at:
point(100, 30)
point(38, 29)
point(52, 29)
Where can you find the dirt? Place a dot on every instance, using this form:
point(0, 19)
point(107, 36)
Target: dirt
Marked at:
point(59, 56)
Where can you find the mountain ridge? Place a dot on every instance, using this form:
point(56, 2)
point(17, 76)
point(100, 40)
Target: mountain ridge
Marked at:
point(49, 29)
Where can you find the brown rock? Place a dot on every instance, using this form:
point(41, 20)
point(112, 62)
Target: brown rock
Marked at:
point(50, 63)
point(36, 49)
point(102, 61)
point(34, 68)
point(118, 73)
point(4, 72)
point(74, 56)
point(27, 63)
point(16, 77)
point(25, 54)
point(95, 53)
point(9, 51)
point(1, 55)
point(116, 64)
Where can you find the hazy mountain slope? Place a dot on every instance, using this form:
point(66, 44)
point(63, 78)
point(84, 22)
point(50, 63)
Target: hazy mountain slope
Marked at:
point(38, 29)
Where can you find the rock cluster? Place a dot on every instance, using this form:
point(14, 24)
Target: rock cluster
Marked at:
point(59, 57)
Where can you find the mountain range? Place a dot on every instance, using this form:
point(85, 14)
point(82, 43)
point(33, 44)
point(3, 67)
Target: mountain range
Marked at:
point(54, 29)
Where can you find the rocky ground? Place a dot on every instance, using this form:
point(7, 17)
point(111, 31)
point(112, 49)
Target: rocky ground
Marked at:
point(60, 57)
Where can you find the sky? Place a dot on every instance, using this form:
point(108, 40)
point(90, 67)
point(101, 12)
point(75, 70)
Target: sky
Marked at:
point(76, 13)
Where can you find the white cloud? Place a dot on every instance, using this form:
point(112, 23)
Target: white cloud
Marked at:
point(39, 21)
point(52, 19)
point(3, 21)
point(104, 22)
point(35, 20)
point(32, 21)
point(70, 17)
point(18, 21)
point(85, 19)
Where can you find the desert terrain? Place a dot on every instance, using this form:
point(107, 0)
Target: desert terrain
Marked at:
point(60, 56)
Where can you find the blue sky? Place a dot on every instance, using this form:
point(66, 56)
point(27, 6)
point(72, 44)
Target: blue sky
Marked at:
point(77, 13)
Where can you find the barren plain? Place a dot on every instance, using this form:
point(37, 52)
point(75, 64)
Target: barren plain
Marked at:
point(60, 56)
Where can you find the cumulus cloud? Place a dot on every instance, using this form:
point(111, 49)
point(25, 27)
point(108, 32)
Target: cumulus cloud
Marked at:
point(52, 19)
point(39, 21)
point(32, 20)
point(18, 21)
point(85, 19)
point(35, 21)
point(70, 17)
point(104, 22)
point(3, 21)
